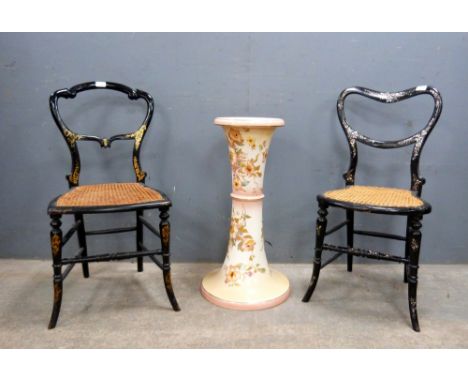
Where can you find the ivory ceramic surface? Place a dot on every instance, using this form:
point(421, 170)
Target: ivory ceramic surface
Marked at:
point(245, 280)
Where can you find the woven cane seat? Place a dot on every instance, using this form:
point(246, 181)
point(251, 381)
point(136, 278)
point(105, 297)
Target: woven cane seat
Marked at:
point(373, 196)
point(109, 194)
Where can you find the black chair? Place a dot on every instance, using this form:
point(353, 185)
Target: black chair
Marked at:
point(379, 200)
point(106, 198)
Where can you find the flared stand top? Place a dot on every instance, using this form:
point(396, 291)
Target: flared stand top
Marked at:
point(249, 121)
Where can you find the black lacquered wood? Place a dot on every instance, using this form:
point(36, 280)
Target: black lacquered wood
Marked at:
point(67, 271)
point(376, 255)
point(72, 138)
point(81, 256)
point(405, 271)
point(148, 225)
point(418, 139)
point(71, 232)
point(336, 228)
point(158, 263)
point(82, 243)
point(414, 215)
point(56, 247)
point(165, 232)
point(139, 239)
point(320, 230)
point(350, 237)
point(110, 256)
point(414, 246)
point(152, 257)
point(110, 231)
point(379, 234)
point(331, 259)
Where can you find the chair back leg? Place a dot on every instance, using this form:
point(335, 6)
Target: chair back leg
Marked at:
point(56, 247)
point(350, 237)
point(320, 229)
point(82, 243)
point(139, 239)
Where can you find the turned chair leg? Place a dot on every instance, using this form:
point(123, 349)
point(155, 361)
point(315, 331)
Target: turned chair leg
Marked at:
point(165, 232)
point(350, 236)
point(414, 245)
point(405, 273)
point(320, 229)
point(82, 243)
point(56, 246)
point(139, 239)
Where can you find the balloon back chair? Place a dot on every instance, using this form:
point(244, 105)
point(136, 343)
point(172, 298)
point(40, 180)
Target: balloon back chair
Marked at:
point(106, 198)
point(378, 200)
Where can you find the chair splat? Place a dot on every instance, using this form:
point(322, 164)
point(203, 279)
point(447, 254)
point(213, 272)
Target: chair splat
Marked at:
point(71, 137)
point(418, 139)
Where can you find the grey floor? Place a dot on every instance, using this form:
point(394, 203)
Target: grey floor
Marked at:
point(120, 308)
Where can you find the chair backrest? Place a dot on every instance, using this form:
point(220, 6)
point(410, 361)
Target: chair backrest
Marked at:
point(418, 139)
point(72, 138)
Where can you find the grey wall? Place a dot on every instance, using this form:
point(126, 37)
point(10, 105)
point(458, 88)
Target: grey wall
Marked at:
point(196, 77)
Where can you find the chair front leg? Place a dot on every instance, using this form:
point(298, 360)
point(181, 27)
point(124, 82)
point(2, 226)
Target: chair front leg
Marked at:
point(414, 245)
point(56, 246)
point(405, 273)
point(82, 243)
point(320, 229)
point(165, 232)
point(350, 236)
point(139, 239)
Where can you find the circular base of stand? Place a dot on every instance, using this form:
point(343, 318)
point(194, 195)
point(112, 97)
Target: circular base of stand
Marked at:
point(270, 291)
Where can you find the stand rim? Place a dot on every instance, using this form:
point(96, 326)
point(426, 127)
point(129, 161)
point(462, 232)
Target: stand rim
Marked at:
point(249, 121)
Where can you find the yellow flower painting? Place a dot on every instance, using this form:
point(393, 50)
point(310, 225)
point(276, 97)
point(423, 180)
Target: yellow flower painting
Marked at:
point(234, 274)
point(239, 235)
point(245, 169)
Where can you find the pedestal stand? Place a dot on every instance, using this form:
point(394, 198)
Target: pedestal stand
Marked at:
point(245, 281)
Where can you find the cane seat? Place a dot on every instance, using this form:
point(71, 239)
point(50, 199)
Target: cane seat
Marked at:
point(374, 196)
point(378, 200)
point(83, 200)
point(109, 194)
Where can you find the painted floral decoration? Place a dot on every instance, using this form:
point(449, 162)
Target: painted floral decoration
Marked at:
point(241, 239)
point(245, 169)
point(239, 235)
point(236, 273)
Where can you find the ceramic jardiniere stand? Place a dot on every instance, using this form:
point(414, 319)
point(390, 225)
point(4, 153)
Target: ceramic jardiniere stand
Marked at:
point(245, 280)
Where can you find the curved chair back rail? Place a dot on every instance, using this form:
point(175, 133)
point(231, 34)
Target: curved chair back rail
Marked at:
point(418, 139)
point(72, 138)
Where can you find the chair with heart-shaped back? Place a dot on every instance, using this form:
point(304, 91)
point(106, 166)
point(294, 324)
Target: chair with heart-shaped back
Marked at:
point(378, 200)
